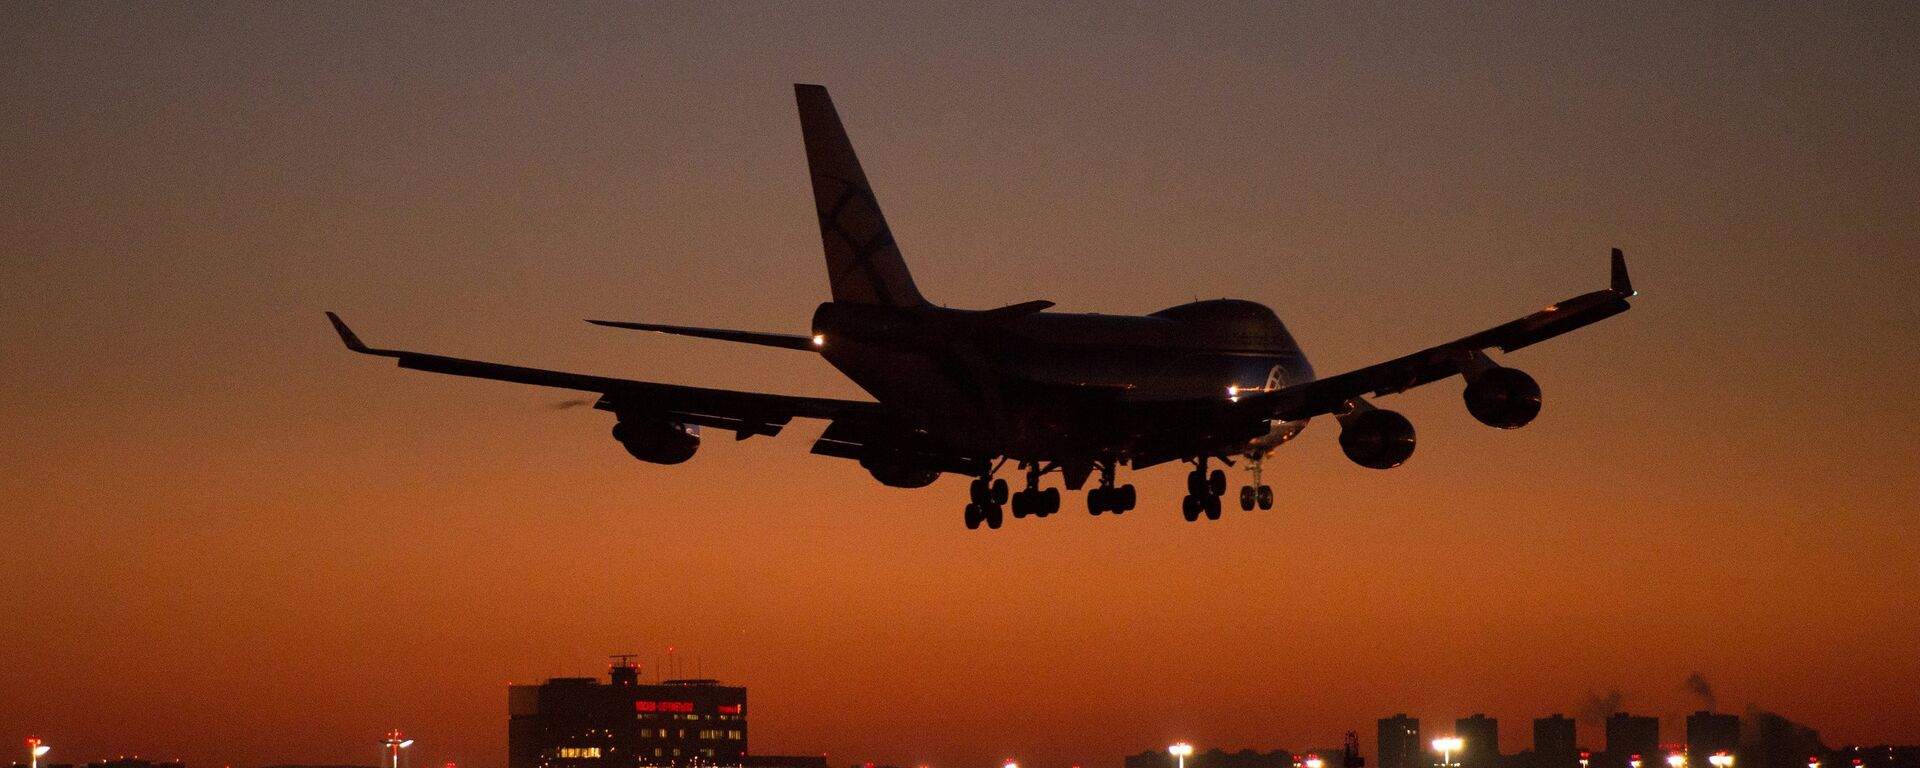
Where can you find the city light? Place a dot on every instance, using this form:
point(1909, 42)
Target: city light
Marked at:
point(1314, 761)
point(1180, 752)
point(1677, 760)
point(1633, 762)
point(36, 748)
point(1721, 760)
point(1446, 746)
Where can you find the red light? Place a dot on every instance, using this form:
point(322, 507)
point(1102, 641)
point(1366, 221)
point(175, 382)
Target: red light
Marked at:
point(729, 709)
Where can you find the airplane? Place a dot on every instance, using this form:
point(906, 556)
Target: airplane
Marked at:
point(966, 391)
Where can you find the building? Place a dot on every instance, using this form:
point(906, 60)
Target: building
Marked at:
point(1556, 742)
point(1479, 741)
point(1399, 744)
point(1629, 736)
point(577, 722)
point(1217, 758)
point(1709, 733)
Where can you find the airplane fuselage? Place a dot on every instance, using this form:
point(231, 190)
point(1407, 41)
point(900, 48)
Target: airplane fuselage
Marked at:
point(1050, 385)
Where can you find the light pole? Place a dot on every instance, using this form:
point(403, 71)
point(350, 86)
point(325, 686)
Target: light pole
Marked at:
point(1180, 752)
point(394, 742)
point(36, 749)
point(1446, 746)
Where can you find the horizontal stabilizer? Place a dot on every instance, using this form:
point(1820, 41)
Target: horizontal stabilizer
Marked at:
point(782, 340)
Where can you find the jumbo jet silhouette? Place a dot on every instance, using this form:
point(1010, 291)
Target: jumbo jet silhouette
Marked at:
point(965, 391)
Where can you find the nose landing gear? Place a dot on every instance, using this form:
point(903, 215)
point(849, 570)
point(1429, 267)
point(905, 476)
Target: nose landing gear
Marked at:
point(1257, 494)
point(1108, 497)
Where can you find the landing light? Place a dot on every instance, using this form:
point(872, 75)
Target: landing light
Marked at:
point(819, 339)
point(1233, 393)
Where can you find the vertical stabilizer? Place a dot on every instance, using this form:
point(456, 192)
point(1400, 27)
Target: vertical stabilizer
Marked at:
point(863, 264)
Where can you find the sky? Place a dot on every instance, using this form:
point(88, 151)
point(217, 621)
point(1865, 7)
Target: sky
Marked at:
point(229, 540)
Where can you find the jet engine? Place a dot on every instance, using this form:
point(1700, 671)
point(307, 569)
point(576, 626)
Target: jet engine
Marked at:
point(897, 470)
point(655, 440)
point(1377, 439)
point(1503, 397)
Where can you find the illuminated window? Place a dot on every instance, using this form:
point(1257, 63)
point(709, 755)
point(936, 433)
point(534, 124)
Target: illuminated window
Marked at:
point(580, 752)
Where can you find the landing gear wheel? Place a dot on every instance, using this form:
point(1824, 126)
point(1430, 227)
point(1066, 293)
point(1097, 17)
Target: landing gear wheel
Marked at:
point(974, 518)
point(1125, 498)
point(1246, 498)
point(1050, 501)
point(1212, 504)
point(1217, 483)
point(1190, 507)
point(999, 489)
point(992, 514)
point(1022, 505)
point(1265, 497)
point(1097, 501)
point(979, 492)
point(1196, 483)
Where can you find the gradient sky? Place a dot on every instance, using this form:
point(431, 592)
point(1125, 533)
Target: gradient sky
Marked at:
point(229, 540)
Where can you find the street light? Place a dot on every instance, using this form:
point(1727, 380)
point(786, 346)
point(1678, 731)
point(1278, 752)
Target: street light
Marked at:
point(1180, 752)
point(36, 749)
point(1720, 760)
point(1633, 762)
point(1677, 760)
point(1314, 761)
point(394, 742)
point(1446, 746)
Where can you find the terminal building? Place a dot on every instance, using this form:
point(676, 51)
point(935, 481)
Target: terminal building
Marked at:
point(578, 722)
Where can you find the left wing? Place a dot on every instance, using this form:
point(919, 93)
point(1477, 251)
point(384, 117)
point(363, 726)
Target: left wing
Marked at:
point(1336, 394)
point(746, 413)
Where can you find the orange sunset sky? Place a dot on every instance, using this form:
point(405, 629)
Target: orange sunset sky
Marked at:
point(229, 540)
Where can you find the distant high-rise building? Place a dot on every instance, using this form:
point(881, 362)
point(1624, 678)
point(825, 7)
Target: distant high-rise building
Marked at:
point(1708, 733)
point(1629, 735)
point(1400, 745)
point(1555, 742)
point(1480, 741)
point(576, 722)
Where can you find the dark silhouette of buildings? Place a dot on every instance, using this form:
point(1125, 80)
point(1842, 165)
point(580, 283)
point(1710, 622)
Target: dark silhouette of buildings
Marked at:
point(1480, 741)
point(1709, 733)
point(576, 722)
point(1556, 743)
point(1400, 744)
point(1218, 758)
point(1630, 735)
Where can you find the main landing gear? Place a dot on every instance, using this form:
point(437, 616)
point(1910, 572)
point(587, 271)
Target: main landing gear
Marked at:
point(1258, 493)
point(1107, 497)
point(1034, 501)
point(1204, 490)
point(986, 497)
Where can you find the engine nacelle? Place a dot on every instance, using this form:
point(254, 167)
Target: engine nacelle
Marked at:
point(1503, 397)
point(1377, 439)
point(898, 471)
point(657, 441)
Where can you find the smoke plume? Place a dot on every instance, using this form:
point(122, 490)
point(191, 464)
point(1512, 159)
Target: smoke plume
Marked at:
point(1697, 684)
point(1596, 708)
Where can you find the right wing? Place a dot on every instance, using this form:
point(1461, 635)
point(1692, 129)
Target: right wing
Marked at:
point(747, 413)
point(782, 340)
point(860, 430)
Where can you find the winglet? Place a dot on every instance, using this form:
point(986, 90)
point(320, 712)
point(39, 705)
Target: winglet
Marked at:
point(353, 341)
point(1621, 283)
